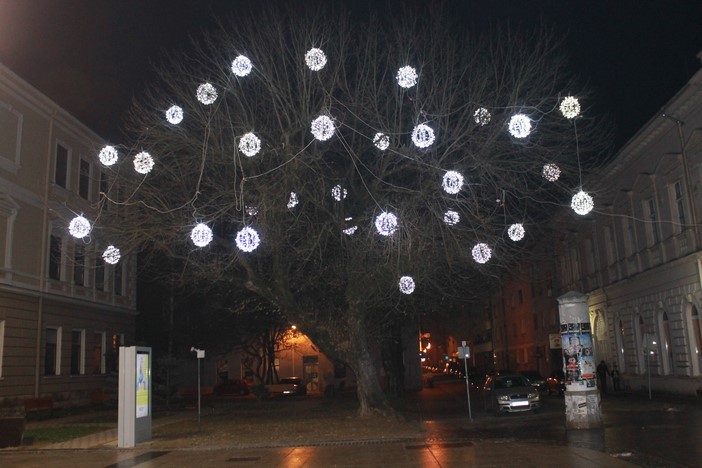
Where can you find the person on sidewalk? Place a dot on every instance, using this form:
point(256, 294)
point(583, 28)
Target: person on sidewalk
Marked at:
point(602, 371)
point(616, 382)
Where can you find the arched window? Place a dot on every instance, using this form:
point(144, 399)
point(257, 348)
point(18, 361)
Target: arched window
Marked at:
point(621, 357)
point(696, 347)
point(666, 345)
point(638, 344)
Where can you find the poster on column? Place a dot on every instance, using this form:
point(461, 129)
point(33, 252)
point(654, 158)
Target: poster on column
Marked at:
point(578, 354)
point(142, 385)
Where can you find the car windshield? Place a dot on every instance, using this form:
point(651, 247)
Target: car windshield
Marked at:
point(510, 381)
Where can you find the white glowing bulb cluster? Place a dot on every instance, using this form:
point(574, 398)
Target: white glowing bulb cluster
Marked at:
point(406, 285)
point(338, 192)
point(582, 203)
point(519, 126)
point(516, 232)
point(381, 141)
point(293, 200)
point(349, 230)
point(407, 77)
point(551, 172)
point(482, 116)
point(143, 163)
point(111, 255)
point(241, 66)
point(201, 235)
point(79, 227)
point(386, 223)
point(247, 240)
point(315, 59)
point(570, 107)
point(250, 144)
point(108, 155)
point(451, 217)
point(481, 253)
point(251, 210)
point(452, 182)
point(174, 115)
point(206, 94)
point(423, 136)
point(323, 128)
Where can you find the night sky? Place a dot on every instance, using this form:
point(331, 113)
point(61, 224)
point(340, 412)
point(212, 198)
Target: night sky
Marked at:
point(93, 56)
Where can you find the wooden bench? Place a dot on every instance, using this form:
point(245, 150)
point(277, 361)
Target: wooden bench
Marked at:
point(39, 405)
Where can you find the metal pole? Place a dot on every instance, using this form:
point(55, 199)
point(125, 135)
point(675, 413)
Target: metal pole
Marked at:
point(465, 364)
point(648, 365)
point(198, 394)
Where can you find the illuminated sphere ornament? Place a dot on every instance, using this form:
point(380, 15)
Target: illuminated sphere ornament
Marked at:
point(381, 141)
point(386, 223)
point(315, 59)
point(322, 128)
point(174, 115)
point(250, 144)
point(108, 155)
point(407, 77)
point(241, 66)
point(293, 201)
point(79, 227)
point(482, 116)
point(251, 210)
point(570, 107)
point(481, 253)
point(406, 285)
point(451, 217)
point(247, 239)
point(201, 235)
point(111, 255)
point(338, 192)
point(516, 232)
point(582, 203)
point(519, 126)
point(551, 172)
point(452, 183)
point(350, 230)
point(143, 163)
point(423, 136)
point(206, 94)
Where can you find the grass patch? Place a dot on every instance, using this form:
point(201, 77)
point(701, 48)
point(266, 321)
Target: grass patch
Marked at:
point(53, 435)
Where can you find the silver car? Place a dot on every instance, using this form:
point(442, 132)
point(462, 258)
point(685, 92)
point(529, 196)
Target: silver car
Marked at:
point(510, 393)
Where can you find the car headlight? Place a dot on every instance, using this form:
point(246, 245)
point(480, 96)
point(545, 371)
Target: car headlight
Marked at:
point(533, 396)
point(502, 398)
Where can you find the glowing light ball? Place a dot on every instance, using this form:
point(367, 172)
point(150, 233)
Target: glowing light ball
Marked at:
point(551, 172)
point(293, 201)
point(250, 144)
point(350, 230)
point(407, 77)
point(323, 128)
point(516, 232)
point(452, 218)
point(79, 227)
point(423, 136)
point(174, 115)
point(206, 94)
point(406, 285)
point(315, 59)
point(201, 235)
point(452, 182)
point(241, 66)
point(570, 107)
point(482, 116)
point(338, 192)
point(108, 155)
point(247, 240)
point(519, 126)
point(381, 141)
point(481, 253)
point(386, 223)
point(111, 255)
point(143, 163)
point(582, 203)
point(251, 210)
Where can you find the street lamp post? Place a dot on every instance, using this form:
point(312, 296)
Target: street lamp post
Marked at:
point(200, 354)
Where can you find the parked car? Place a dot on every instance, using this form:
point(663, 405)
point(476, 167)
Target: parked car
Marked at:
point(555, 383)
point(510, 393)
point(536, 379)
point(288, 386)
point(232, 387)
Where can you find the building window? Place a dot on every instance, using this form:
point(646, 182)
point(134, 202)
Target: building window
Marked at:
point(99, 273)
point(52, 351)
point(679, 204)
point(667, 345)
point(2, 343)
point(77, 356)
point(118, 279)
point(630, 237)
point(61, 173)
point(697, 331)
point(654, 236)
point(112, 355)
point(84, 179)
point(79, 265)
point(98, 353)
point(55, 258)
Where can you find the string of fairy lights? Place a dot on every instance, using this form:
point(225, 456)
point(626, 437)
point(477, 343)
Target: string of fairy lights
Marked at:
point(323, 128)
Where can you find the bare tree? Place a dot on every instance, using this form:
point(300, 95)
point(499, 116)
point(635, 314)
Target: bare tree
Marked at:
point(323, 261)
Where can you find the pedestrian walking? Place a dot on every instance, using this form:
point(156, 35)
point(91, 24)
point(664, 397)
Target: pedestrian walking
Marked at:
point(616, 383)
point(602, 371)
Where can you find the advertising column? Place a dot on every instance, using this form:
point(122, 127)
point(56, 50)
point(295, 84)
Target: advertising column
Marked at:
point(134, 415)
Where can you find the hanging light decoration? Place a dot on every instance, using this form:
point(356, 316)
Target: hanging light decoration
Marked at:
point(452, 182)
point(519, 126)
point(451, 217)
point(323, 128)
point(381, 141)
point(482, 116)
point(241, 66)
point(570, 107)
point(422, 136)
point(206, 94)
point(407, 77)
point(79, 227)
point(315, 59)
point(406, 285)
point(481, 253)
point(292, 201)
point(582, 203)
point(143, 163)
point(386, 223)
point(247, 240)
point(516, 232)
point(251, 210)
point(174, 115)
point(108, 155)
point(250, 144)
point(201, 235)
point(551, 172)
point(350, 230)
point(111, 255)
point(338, 192)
